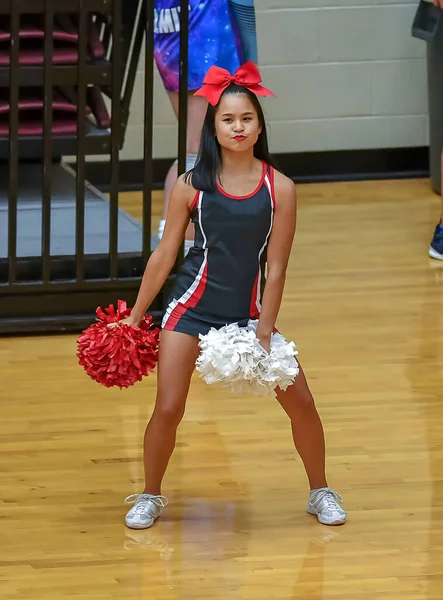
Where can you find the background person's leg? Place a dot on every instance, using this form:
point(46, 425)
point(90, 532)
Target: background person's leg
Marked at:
point(196, 114)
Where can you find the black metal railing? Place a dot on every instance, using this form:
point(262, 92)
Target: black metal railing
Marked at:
point(13, 144)
point(47, 141)
point(67, 248)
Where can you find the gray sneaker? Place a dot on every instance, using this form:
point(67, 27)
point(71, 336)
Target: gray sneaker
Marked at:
point(324, 503)
point(146, 509)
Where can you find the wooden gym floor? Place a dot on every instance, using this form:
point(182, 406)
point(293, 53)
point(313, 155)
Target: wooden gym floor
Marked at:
point(365, 305)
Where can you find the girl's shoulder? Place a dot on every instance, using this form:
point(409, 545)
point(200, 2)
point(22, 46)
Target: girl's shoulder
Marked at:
point(186, 189)
point(184, 184)
point(282, 183)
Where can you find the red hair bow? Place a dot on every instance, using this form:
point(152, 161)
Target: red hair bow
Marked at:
point(217, 80)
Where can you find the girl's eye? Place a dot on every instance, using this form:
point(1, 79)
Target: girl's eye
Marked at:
point(226, 120)
point(247, 118)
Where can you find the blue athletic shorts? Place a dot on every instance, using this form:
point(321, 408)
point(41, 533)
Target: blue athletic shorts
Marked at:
point(221, 32)
point(213, 40)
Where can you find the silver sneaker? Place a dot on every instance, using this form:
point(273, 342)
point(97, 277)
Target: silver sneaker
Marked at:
point(146, 509)
point(324, 503)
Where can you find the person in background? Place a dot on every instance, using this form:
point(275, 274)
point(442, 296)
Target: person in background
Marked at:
point(436, 247)
point(229, 40)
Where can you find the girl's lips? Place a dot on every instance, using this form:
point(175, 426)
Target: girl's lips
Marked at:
point(240, 137)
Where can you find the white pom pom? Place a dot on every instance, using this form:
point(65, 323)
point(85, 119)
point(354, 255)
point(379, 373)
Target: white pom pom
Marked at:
point(234, 358)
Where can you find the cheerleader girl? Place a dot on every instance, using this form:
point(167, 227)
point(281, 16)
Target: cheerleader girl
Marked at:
point(244, 213)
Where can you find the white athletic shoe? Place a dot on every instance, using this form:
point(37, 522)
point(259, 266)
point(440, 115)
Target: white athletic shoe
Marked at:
point(146, 509)
point(324, 503)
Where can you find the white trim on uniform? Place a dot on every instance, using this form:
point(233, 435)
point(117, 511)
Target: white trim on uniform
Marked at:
point(190, 291)
point(257, 299)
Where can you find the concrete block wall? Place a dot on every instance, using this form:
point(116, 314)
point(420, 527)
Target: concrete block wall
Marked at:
point(347, 73)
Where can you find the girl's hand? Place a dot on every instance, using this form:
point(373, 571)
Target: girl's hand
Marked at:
point(265, 340)
point(438, 3)
point(132, 321)
point(128, 321)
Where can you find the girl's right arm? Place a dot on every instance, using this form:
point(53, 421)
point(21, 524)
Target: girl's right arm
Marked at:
point(164, 256)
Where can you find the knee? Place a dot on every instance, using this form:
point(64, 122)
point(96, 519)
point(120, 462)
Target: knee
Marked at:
point(297, 402)
point(169, 412)
point(302, 400)
point(305, 401)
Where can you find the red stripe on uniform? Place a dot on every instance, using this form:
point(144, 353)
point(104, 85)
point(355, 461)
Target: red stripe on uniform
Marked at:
point(175, 317)
point(180, 309)
point(194, 202)
point(254, 313)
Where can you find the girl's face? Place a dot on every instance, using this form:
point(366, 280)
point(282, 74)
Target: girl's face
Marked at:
point(236, 123)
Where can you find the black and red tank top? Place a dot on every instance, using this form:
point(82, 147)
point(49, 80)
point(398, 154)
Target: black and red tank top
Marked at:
point(223, 275)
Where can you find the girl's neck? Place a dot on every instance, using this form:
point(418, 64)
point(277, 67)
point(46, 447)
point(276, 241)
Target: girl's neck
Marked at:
point(238, 163)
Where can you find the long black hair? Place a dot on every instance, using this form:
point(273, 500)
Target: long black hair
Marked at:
point(204, 175)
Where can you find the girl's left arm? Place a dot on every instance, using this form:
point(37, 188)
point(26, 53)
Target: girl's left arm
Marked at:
point(279, 250)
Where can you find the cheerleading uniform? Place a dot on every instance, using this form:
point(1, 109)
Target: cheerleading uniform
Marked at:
point(212, 40)
point(223, 276)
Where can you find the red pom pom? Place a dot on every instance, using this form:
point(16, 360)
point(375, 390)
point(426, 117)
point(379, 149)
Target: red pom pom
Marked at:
point(121, 355)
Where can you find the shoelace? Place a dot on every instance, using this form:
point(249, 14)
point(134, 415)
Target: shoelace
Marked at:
point(330, 497)
point(141, 501)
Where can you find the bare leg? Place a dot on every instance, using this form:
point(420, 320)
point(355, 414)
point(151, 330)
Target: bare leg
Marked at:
point(178, 353)
point(307, 430)
point(171, 178)
point(196, 113)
